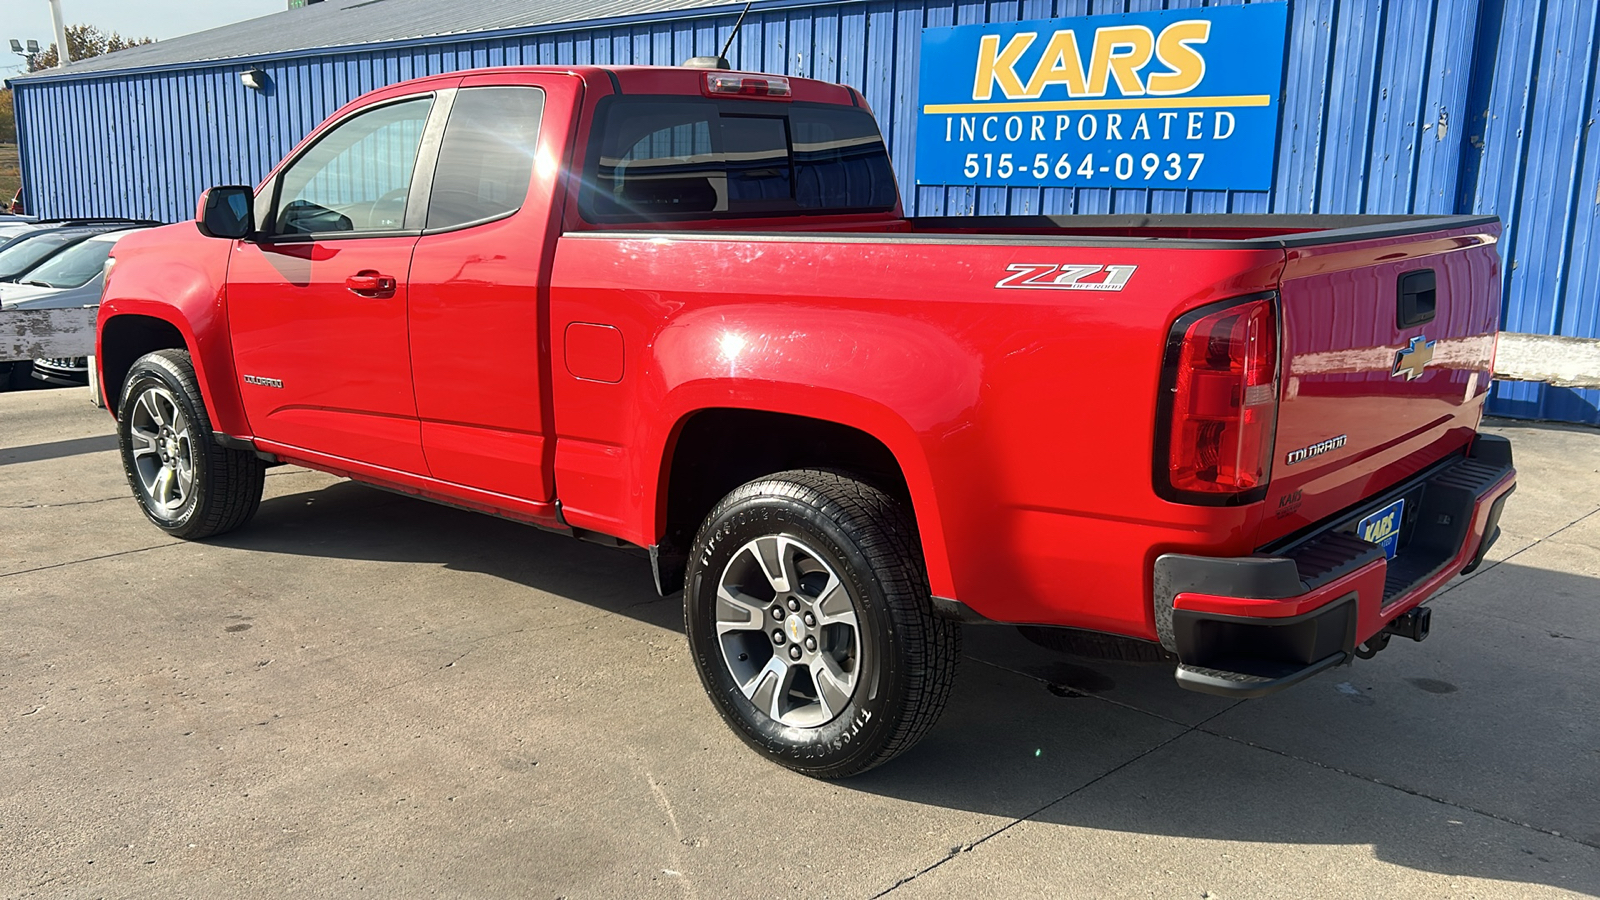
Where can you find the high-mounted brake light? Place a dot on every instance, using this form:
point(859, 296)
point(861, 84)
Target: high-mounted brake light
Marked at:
point(771, 87)
point(1221, 375)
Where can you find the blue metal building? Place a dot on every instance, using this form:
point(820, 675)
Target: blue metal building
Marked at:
point(1387, 106)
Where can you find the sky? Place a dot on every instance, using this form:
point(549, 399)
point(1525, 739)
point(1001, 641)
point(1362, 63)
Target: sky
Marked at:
point(159, 19)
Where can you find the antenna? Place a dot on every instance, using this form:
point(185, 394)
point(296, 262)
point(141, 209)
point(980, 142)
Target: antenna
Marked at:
point(736, 26)
point(720, 61)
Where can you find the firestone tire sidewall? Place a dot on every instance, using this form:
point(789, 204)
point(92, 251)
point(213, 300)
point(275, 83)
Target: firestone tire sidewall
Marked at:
point(147, 373)
point(861, 730)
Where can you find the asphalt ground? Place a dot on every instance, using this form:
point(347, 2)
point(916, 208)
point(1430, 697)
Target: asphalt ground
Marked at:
point(361, 693)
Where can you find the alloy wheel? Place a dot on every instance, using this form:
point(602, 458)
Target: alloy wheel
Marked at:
point(163, 450)
point(787, 627)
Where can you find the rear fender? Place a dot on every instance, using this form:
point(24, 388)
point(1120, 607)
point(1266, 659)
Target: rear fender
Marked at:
point(896, 379)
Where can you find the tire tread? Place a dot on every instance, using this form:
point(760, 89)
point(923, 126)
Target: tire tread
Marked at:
point(878, 524)
point(236, 478)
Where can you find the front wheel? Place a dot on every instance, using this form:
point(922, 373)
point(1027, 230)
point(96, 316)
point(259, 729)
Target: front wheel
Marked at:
point(187, 484)
point(808, 618)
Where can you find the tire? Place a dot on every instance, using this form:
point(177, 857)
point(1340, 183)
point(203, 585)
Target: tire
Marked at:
point(20, 376)
point(874, 665)
point(1095, 645)
point(187, 484)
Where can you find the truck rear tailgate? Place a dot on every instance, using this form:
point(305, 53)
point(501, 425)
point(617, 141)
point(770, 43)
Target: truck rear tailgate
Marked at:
point(1387, 354)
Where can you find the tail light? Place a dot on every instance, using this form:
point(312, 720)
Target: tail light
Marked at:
point(771, 87)
point(1220, 406)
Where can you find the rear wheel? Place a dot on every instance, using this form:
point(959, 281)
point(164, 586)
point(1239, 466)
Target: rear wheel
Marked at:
point(187, 484)
point(808, 617)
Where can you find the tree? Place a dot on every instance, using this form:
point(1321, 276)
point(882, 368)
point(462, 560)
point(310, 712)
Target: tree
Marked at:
point(85, 41)
point(8, 122)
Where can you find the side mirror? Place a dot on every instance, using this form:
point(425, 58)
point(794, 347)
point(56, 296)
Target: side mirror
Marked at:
point(226, 212)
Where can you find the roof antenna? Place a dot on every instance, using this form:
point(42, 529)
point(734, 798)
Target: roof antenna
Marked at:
point(720, 61)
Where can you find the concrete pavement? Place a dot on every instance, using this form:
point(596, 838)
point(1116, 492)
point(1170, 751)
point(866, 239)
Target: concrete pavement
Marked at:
point(361, 693)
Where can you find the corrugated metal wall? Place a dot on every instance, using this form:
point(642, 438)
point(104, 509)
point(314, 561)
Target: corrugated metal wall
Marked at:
point(1389, 106)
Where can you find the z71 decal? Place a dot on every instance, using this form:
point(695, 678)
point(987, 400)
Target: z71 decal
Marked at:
point(1066, 277)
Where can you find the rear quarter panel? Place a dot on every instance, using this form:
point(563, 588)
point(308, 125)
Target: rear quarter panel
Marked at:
point(1023, 419)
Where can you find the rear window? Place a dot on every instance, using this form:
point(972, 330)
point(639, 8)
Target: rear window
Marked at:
point(663, 158)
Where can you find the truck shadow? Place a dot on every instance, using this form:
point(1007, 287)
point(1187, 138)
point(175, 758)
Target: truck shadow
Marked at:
point(1431, 755)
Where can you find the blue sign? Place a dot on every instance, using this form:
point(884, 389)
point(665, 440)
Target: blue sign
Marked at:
point(1181, 99)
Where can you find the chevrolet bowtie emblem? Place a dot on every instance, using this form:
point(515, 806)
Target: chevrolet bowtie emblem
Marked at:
point(1413, 359)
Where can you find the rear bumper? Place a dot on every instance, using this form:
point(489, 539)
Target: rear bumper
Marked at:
point(1251, 626)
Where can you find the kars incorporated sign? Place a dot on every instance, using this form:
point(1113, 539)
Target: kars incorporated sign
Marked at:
point(1182, 99)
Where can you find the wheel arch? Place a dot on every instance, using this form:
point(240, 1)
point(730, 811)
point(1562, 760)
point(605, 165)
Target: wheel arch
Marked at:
point(129, 329)
point(125, 338)
point(699, 466)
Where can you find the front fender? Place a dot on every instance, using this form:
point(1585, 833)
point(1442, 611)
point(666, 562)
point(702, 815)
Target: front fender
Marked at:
point(176, 275)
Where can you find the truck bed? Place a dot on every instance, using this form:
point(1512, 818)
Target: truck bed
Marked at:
point(1187, 230)
point(1056, 390)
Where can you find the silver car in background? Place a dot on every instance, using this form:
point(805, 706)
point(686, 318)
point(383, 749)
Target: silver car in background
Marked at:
point(70, 279)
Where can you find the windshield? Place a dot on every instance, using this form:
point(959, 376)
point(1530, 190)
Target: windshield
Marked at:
point(27, 251)
point(72, 267)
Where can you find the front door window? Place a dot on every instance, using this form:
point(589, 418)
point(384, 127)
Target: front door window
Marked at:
point(357, 177)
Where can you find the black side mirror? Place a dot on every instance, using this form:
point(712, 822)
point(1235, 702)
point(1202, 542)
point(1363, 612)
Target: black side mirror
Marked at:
point(226, 212)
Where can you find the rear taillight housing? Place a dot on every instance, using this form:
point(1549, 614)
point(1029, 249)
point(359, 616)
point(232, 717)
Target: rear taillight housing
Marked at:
point(1220, 404)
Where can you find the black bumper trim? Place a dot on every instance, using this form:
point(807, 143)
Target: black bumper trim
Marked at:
point(1266, 654)
point(1240, 686)
point(1444, 497)
point(1240, 656)
point(1491, 532)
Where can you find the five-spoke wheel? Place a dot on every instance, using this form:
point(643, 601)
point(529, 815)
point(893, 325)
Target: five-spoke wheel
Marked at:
point(787, 627)
point(187, 484)
point(163, 450)
point(808, 617)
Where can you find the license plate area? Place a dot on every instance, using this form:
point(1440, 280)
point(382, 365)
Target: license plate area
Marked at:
point(1383, 527)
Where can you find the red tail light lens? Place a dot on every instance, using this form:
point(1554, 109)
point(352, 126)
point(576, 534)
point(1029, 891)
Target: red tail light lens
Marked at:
point(1222, 375)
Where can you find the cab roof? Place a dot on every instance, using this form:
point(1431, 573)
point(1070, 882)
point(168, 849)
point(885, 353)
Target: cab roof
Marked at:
point(652, 80)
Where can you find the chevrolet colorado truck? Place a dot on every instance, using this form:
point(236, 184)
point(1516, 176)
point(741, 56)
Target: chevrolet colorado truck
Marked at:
point(681, 310)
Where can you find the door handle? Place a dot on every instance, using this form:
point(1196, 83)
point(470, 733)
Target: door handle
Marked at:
point(371, 283)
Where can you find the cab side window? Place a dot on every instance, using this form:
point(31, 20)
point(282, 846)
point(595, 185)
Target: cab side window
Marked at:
point(357, 177)
point(486, 157)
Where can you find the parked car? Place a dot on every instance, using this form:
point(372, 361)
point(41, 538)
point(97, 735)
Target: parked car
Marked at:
point(68, 279)
point(40, 241)
point(682, 311)
point(11, 226)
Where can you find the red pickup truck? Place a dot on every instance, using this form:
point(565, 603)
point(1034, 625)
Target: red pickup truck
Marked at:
point(681, 310)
